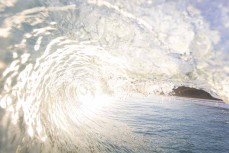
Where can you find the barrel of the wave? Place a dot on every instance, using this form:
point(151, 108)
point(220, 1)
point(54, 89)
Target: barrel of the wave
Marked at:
point(65, 95)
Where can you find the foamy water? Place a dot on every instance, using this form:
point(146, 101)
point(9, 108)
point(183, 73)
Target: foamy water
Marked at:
point(69, 66)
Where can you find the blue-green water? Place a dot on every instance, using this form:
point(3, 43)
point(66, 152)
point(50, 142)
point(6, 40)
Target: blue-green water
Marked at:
point(181, 125)
point(159, 124)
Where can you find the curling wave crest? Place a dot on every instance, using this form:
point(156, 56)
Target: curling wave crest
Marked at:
point(65, 63)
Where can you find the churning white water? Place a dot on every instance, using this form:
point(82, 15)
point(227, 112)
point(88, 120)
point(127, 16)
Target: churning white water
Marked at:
point(69, 66)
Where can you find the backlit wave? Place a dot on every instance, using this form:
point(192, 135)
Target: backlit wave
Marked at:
point(68, 63)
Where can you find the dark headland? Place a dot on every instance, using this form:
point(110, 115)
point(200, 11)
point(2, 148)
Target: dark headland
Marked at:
point(193, 93)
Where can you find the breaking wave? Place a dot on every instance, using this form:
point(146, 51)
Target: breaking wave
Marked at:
point(70, 61)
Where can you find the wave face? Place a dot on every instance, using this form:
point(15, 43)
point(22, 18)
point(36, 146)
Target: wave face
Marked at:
point(65, 63)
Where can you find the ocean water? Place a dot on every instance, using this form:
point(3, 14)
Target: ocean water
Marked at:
point(86, 75)
point(154, 124)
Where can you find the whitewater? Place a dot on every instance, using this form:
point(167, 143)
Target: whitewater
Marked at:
point(74, 72)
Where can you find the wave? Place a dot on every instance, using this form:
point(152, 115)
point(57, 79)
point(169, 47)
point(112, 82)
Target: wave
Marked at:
point(70, 57)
